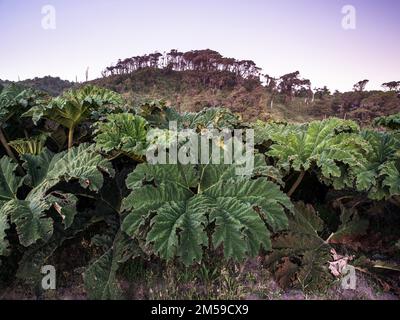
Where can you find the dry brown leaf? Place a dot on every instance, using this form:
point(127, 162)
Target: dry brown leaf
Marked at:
point(339, 263)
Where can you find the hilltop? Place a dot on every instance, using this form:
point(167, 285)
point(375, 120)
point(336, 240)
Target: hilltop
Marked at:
point(51, 85)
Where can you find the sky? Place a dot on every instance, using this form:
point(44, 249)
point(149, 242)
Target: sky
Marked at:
point(280, 36)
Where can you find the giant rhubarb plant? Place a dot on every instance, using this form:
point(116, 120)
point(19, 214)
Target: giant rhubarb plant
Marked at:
point(329, 148)
point(45, 172)
point(14, 100)
point(122, 133)
point(181, 210)
point(74, 106)
point(379, 174)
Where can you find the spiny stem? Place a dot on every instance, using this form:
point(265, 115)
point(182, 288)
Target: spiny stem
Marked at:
point(296, 183)
point(9, 152)
point(70, 137)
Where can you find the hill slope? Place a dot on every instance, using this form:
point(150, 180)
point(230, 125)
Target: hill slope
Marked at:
point(191, 90)
point(52, 85)
point(195, 90)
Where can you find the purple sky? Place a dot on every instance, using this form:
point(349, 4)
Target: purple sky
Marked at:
point(281, 36)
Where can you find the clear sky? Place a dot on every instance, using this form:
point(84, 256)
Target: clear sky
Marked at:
point(281, 36)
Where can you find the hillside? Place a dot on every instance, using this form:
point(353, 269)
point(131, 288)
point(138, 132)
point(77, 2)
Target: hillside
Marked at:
point(187, 91)
point(191, 90)
point(51, 85)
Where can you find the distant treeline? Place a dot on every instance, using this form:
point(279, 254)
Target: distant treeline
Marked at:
point(195, 60)
point(212, 62)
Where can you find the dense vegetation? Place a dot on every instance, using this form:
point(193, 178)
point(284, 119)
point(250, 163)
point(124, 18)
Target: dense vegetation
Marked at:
point(76, 182)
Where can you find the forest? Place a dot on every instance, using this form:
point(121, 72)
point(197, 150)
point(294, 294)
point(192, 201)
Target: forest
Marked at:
point(78, 191)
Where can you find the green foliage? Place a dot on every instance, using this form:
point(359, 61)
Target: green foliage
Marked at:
point(74, 105)
point(122, 133)
point(391, 177)
point(379, 174)
point(100, 278)
point(4, 251)
point(14, 100)
point(210, 118)
point(9, 183)
point(45, 171)
point(300, 256)
point(180, 210)
point(157, 113)
point(38, 254)
point(30, 219)
point(81, 163)
point(351, 226)
point(33, 145)
point(330, 148)
point(267, 132)
point(37, 166)
point(391, 122)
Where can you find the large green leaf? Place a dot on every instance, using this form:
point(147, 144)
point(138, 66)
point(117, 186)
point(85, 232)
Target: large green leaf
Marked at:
point(330, 147)
point(210, 118)
point(238, 228)
point(15, 99)
point(45, 171)
point(30, 220)
point(174, 205)
point(267, 132)
point(300, 256)
point(157, 113)
point(180, 223)
point(351, 226)
point(80, 163)
point(173, 184)
point(37, 166)
point(9, 182)
point(260, 192)
point(101, 277)
point(392, 121)
point(74, 106)
point(391, 177)
point(3, 227)
point(123, 133)
point(379, 174)
point(33, 145)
